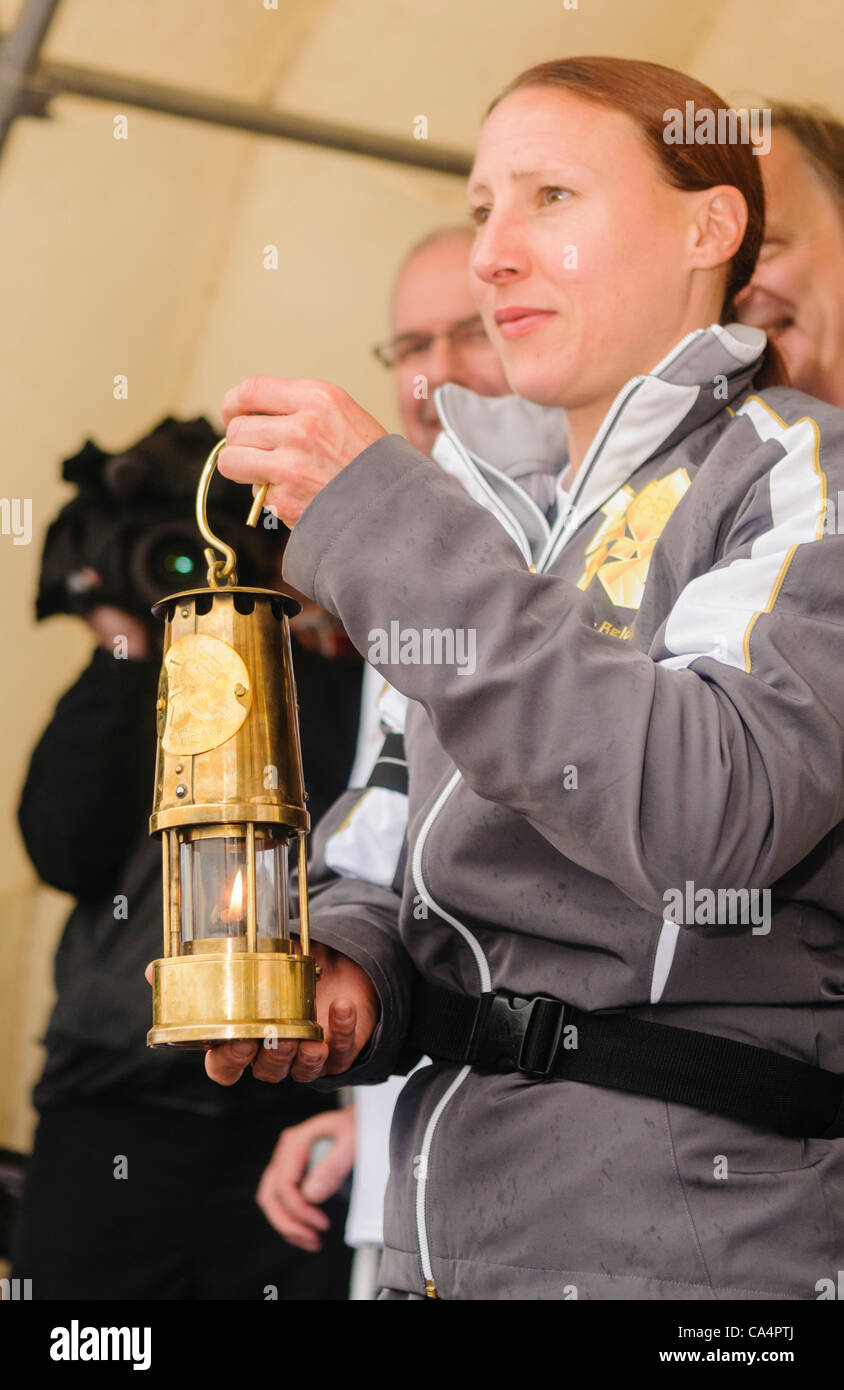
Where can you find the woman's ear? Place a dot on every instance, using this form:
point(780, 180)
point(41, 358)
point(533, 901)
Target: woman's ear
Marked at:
point(719, 226)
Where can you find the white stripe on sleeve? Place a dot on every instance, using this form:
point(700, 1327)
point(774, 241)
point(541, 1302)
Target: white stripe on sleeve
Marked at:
point(715, 613)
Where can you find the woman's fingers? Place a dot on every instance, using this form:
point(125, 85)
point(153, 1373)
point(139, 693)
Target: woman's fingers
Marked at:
point(347, 1009)
point(277, 1058)
point(310, 1061)
point(225, 1064)
point(274, 1059)
point(304, 1061)
point(343, 1045)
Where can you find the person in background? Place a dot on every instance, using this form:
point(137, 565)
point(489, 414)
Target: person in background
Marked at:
point(797, 290)
point(438, 336)
point(142, 1177)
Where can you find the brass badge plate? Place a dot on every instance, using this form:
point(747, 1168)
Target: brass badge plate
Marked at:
point(206, 691)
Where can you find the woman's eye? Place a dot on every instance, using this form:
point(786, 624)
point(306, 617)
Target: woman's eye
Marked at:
point(556, 195)
point(479, 215)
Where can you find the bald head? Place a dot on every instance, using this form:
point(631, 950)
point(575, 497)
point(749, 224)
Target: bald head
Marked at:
point(460, 238)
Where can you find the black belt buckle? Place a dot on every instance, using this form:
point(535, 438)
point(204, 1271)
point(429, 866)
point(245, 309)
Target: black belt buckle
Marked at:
point(519, 1034)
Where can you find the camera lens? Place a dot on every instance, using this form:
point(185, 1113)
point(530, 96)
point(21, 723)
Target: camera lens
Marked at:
point(173, 562)
point(165, 559)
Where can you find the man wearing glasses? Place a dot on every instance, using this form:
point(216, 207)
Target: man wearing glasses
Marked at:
point(438, 334)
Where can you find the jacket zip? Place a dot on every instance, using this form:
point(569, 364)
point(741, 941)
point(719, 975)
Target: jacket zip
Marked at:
point(570, 519)
point(421, 1165)
point(485, 979)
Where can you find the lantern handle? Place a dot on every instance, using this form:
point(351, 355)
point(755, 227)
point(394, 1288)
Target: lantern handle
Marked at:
point(221, 572)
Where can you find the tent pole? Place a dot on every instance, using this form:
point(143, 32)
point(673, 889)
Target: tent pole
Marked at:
point(54, 79)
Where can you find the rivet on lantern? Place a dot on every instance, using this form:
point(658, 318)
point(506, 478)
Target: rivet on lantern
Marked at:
point(230, 968)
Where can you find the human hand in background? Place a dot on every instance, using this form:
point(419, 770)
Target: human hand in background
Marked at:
point(288, 1189)
point(108, 622)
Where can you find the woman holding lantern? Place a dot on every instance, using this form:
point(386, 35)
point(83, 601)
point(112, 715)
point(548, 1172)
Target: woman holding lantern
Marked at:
point(635, 1089)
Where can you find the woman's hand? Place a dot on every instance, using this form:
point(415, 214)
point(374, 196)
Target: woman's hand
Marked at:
point(295, 435)
point(347, 1010)
point(287, 1189)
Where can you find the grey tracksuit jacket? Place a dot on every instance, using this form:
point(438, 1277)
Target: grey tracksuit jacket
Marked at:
point(652, 713)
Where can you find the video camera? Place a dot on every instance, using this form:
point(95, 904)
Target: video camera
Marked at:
point(133, 523)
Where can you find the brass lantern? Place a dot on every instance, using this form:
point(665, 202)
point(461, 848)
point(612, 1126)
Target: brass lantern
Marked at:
point(230, 809)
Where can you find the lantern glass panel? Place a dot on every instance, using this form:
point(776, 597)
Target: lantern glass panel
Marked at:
point(213, 875)
point(271, 885)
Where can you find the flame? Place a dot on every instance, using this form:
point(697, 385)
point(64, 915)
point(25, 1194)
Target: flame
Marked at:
point(236, 900)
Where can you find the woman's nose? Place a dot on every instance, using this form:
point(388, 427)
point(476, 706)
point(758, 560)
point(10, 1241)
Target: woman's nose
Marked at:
point(498, 253)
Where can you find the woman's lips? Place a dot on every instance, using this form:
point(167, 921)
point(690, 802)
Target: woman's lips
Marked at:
point(515, 323)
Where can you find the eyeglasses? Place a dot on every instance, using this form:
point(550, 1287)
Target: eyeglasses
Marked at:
point(470, 333)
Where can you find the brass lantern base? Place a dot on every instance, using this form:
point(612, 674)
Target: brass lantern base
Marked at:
point(224, 995)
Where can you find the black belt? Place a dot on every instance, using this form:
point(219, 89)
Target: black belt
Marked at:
point(551, 1040)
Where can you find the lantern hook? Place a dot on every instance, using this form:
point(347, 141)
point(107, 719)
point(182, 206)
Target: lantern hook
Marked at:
point(221, 572)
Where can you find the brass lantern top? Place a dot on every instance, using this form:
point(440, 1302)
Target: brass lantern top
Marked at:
point(228, 748)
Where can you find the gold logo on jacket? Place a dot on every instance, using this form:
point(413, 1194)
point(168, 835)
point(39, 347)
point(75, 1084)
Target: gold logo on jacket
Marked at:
point(620, 553)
